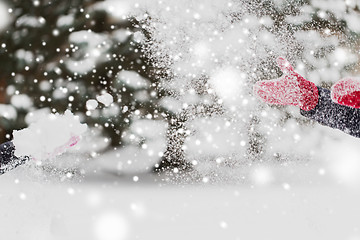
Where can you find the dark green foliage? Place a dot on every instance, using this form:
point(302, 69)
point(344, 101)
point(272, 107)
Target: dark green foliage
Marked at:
point(49, 49)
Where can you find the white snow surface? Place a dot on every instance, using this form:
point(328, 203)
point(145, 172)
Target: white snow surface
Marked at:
point(300, 204)
point(48, 137)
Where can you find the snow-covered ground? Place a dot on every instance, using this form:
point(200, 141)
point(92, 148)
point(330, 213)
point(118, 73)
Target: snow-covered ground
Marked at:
point(301, 204)
point(300, 182)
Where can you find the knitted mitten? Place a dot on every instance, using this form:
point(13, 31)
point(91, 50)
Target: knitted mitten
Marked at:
point(290, 89)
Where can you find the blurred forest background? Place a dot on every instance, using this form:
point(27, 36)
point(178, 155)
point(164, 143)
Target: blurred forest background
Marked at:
point(57, 55)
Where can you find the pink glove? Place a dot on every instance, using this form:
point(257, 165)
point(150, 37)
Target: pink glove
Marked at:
point(347, 92)
point(290, 89)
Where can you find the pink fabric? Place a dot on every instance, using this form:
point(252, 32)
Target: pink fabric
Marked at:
point(72, 142)
point(347, 92)
point(61, 149)
point(290, 89)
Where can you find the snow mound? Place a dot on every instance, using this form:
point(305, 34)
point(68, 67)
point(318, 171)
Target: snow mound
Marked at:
point(49, 136)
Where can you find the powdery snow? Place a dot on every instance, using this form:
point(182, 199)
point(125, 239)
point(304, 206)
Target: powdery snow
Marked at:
point(230, 84)
point(104, 204)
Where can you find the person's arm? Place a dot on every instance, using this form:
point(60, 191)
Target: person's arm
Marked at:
point(8, 160)
point(331, 114)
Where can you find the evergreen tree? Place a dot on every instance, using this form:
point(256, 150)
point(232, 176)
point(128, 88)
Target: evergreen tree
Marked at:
point(60, 54)
point(244, 38)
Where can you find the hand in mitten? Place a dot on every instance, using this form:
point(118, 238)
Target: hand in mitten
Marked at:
point(289, 89)
point(347, 92)
point(9, 161)
point(49, 136)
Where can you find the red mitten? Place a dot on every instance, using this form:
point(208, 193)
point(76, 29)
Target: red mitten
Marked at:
point(290, 89)
point(347, 92)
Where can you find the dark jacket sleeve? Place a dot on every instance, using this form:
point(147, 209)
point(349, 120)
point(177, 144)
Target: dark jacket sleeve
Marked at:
point(6, 152)
point(8, 160)
point(331, 114)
